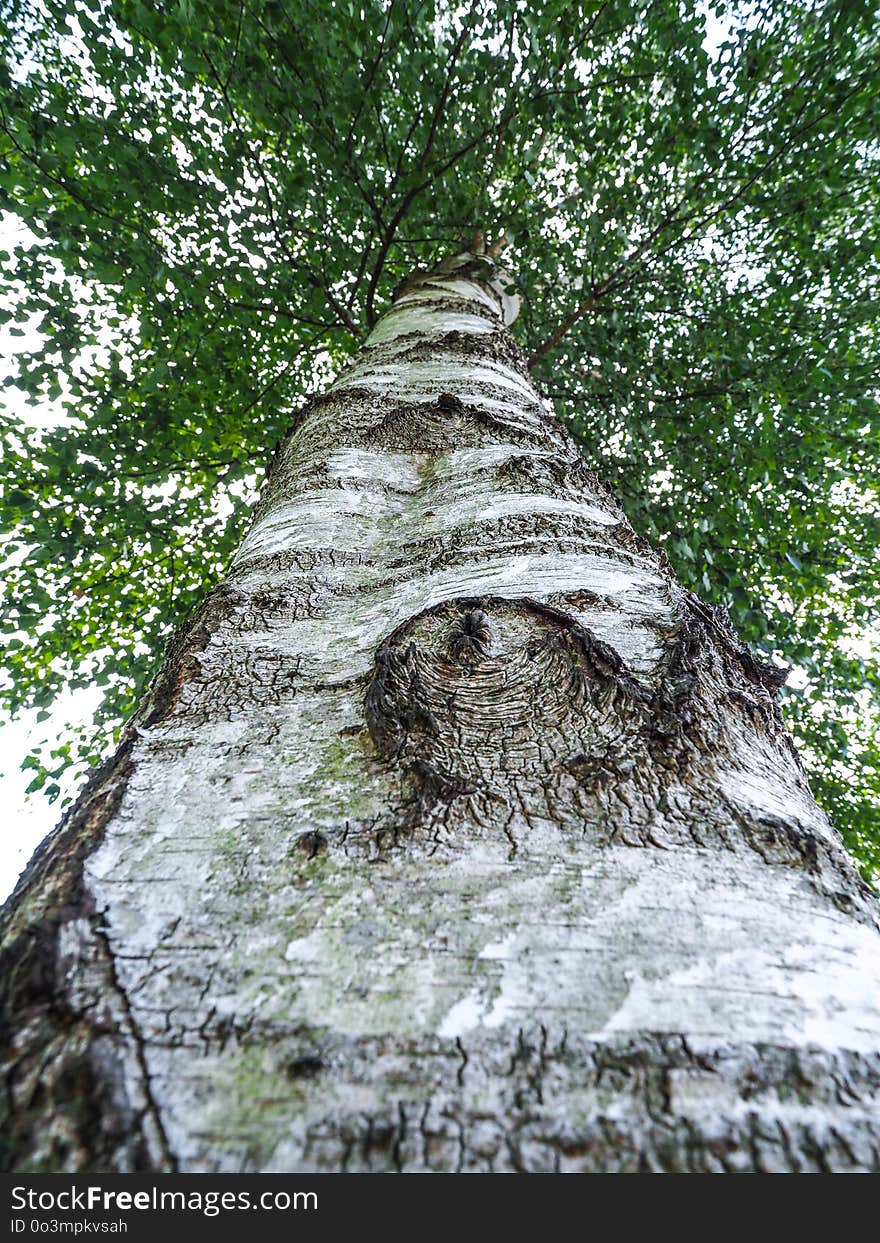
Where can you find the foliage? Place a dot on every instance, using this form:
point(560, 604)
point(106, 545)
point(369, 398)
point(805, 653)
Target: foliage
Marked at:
point(222, 194)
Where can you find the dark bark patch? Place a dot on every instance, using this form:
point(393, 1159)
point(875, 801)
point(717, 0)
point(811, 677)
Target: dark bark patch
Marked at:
point(514, 534)
point(179, 663)
point(564, 477)
point(440, 426)
point(292, 562)
point(544, 1100)
point(237, 679)
point(304, 1067)
point(64, 1106)
point(480, 701)
point(488, 347)
point(311, 844)
point(469, 637)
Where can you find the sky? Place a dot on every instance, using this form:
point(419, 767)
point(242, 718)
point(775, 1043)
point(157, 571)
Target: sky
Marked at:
point(25, 821)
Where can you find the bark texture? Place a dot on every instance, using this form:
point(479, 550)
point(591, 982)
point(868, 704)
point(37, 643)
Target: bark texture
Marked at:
point(454, 834)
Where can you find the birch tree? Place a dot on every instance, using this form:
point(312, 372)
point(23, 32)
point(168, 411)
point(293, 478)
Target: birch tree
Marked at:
point(455, 832)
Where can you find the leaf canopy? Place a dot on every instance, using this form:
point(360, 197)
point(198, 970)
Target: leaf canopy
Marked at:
point(218, 197)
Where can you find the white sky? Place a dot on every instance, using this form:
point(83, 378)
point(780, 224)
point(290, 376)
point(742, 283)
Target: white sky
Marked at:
point(24, 820)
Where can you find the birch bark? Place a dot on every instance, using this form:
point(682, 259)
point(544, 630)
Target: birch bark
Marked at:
point(454, 834)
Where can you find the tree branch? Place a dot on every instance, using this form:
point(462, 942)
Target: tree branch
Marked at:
point(415, 190)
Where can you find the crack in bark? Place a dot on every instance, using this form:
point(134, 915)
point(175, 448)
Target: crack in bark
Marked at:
point(764, 1117)
point(168, 1159)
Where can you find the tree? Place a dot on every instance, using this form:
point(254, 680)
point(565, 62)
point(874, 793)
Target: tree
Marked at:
point(473, 754)
point(452, 835)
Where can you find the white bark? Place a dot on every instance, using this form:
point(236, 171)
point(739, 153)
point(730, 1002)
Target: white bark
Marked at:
point(455, 835)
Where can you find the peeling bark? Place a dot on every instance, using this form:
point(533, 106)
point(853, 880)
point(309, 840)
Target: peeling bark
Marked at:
point(454, 834)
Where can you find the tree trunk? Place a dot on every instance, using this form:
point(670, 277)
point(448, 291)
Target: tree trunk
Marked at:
point(454, 834)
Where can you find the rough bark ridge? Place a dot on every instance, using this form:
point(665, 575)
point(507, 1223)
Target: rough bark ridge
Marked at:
point(454, 834)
